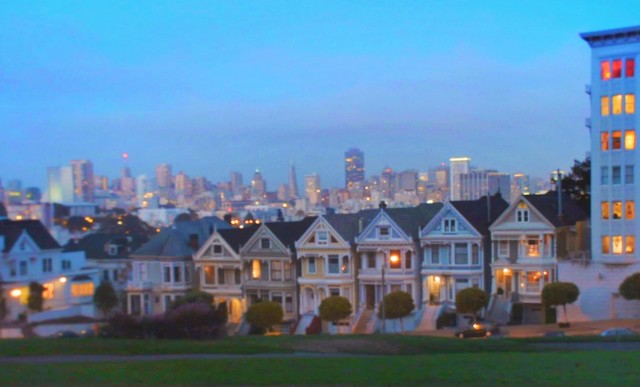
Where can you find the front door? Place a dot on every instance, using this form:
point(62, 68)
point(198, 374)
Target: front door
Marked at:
point(370, 292)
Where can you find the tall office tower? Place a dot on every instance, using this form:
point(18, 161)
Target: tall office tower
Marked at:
point(519, 185)
point(457, 166)
point(258, 185)
point(59, 185)
point(408, 180)
point(164, 179)
point(14, 192)
point(83, 184)
point(283, 192)
point(388, 183)
point(293, 182)
point(183, 184)
point(614, 192)
point(478, 183)
point(312, 188)
point(353, 167)
point(236, 181)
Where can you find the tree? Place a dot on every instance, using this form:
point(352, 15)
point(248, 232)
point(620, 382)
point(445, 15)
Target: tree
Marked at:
point(471, 300)
point(265, 314)
point(577, 184)
point(396, 305)
point(35, 301)
point(630, 287)
point(560, 293)
point(335, 308)
point(105, 297)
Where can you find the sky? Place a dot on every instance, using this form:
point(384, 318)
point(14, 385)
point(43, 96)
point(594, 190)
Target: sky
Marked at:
point(212, 87)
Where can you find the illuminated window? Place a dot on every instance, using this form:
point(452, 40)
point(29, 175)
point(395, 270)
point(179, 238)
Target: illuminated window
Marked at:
point(604, 175)
point(605, 70)
point(604, 106)
point(47, 294)
point(604, 208)
point(533, 247)
point(630, 209)
point(630, 244)
point(617, 244)
point(255, 269)
point(616, 101)
point(617, 210)
point(628, 174)
point(630, 139)
point(630, 103)
point(82, 290)
point(395, 261)
point(606, 241)
point(209, 275)
point(630, 68)
point(616, 175)
point(617, 68)
point(616, 139)
point(604, 141)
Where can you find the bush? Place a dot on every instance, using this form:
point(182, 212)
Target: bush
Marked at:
point(471, 300)
point(265, 314)
point(630, 287)
point(397, 305)
point(335, 308)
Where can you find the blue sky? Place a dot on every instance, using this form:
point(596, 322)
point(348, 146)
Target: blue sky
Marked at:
point(216, 86)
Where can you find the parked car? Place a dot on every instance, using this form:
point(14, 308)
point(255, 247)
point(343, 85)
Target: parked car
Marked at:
point(476, 330)
point(617, 332)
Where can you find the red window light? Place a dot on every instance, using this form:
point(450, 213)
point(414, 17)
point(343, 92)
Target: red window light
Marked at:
point(605, 70)
point(630, 69)
point(617, 68)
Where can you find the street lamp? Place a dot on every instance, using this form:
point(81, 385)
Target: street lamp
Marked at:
point(393, 259)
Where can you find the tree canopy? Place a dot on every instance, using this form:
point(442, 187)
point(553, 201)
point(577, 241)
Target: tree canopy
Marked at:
point(578, 183)
point(105, 297)
point(265, 314)
point(35, 301)
point(335, 308)
point(630, 287)
point(560, 293)
point(471, 300)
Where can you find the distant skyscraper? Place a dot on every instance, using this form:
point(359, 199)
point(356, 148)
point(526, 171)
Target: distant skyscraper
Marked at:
point(312, 188)
point(388, 183)
point(408, 180)
point(457, 166)
point(164, 178)
point(478, 183)
point(353, 167)
point(59, 185)
point(236, 181)
point(258, 185)
point(293, 182)
point(519, 185)
point(83, 184)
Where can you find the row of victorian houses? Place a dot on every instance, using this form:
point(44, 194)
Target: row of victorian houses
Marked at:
point(431, 251)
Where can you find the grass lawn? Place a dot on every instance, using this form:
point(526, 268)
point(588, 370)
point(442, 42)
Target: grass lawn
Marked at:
point(495, 368)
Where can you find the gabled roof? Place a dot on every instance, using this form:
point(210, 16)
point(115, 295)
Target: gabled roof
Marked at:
point(236, 237)
point(176, 240)
point(95, 245)
point(548, 204)
point(12, 229)
point(476, 211)
point(349, 226)
point(413, 219)
point(289, 232)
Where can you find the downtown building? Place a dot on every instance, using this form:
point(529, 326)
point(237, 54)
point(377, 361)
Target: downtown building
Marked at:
point(614, 229)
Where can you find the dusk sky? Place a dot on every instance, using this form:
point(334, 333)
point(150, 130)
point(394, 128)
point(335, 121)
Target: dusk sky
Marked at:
point(215, 86)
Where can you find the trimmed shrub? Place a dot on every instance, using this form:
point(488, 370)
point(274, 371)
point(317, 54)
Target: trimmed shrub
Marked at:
point(265, 314)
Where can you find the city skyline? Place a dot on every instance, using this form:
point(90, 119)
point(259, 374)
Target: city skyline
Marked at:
point(252, 86)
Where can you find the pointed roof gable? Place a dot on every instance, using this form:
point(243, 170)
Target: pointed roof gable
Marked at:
point(476, 212)
point(237, 237)
point(320, 221)
point(12, 230)
point(413, 219)
point(289, 232)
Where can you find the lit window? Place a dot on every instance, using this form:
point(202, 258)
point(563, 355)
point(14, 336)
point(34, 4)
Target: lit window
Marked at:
point(606, 242)
point(616, 139)
point(604, 175)
point(617, 210)
point(255, 269)
point(345, 265)
point(209, 273)
point(604, 106)
point(628, 174)
point(604, 208)
point(604, 141)
point(395, 261)
point(630, 68)
point(617, 68)
point(630, 244)
point(616, 101)
point(82, 290)
point(605, 70)
point(617, 244)
point(616, 175)
point(47, 294)
point(533, 247)
point(630, 209)
point(630, 103)
point(630, 139)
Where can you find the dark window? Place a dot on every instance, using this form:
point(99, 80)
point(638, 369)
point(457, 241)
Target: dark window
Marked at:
point(407, 260)
point(334, 264)
point(265, 243)
point(217, 249)
point(461, 252)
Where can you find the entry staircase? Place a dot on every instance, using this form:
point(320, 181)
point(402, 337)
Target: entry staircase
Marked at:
point(305, 321)
point(366, 322)
point(499, 309)
point(429, 317)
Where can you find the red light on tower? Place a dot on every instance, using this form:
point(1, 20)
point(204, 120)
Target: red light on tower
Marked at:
point(125, 156)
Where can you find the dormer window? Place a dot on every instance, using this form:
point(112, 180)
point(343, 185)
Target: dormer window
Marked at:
point(522, 215)
point(449, 225)
point(265, 243)
point(216, 249)
point(322, 237)
point(383, 232)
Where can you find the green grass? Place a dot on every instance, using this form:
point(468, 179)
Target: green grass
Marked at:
point(507, 368)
